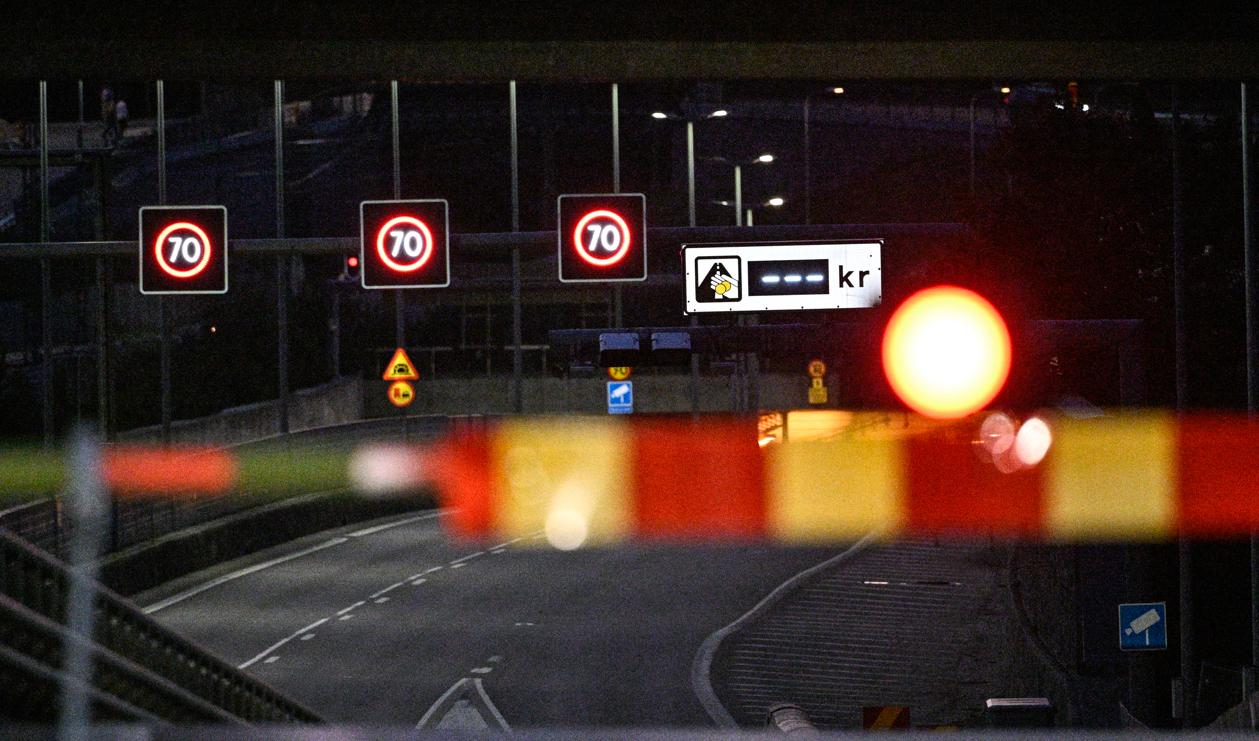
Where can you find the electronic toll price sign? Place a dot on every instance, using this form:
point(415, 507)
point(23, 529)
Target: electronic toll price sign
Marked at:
point(404, 244)
point(782, 276)
point(183, 249)
point(602, 238)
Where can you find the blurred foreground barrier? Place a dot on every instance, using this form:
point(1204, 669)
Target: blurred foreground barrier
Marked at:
point(1135, 477)
point(592, 480)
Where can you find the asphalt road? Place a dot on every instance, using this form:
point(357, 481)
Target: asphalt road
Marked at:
point(377, 624)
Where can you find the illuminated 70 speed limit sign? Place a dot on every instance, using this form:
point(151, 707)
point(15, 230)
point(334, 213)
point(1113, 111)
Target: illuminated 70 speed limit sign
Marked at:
point(183, 249)
point(602, 238)
point(404, 244)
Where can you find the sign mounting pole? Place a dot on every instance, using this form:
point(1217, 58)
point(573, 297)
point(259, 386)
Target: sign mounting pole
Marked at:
point(690, 221)
point(399, 296)
point(163, 311)
point(45, 274)
point(281, 268)
point(517, 359)
point(617, 311)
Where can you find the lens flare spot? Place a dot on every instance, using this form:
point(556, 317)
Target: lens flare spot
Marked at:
point(566, 529)
point(996, 434)
point(1033, 441)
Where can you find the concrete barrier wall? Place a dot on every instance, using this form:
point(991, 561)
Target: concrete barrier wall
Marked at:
point(352, 399)
point(333, 403)
point(652, 394)
point(177, 554)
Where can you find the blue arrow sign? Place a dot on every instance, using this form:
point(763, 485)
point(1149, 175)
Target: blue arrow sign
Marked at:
point(620, 397)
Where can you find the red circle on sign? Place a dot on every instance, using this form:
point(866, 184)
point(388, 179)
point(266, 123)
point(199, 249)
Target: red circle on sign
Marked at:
point(401, 393)
point(621, 226)
point(426, 249)
point(171, 269)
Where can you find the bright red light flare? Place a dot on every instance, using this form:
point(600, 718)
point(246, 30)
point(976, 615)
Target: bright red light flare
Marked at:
point(946, 352)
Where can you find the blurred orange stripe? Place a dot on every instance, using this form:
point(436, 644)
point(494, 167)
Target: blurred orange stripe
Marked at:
point(136, 471)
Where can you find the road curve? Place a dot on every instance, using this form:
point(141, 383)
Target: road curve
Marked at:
point(376, 623)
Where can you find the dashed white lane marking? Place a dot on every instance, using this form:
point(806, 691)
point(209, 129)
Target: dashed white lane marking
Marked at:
point(382, 600)
point(281, 642)
point(525, 625)
point(360, 603)
point(387, 525)
point(482, 670)
point(499, 552)
point(308, 636)
point(271, 659)
point(238, 574)
point(346, 616)
point(387, 589)
point(418, 582)
point(457, 565)
point(468, 557)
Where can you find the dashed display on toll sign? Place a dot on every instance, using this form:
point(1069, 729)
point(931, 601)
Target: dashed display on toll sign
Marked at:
point(720, 281)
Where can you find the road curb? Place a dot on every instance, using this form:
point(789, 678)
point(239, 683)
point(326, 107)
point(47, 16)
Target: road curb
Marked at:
point(701, 681)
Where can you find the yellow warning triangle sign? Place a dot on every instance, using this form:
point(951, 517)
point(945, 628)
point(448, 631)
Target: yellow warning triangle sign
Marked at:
point(400, 368)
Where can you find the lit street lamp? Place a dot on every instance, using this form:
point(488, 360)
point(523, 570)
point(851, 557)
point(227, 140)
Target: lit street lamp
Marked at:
point(690, 153)
point(775, 202)
point(763, 159)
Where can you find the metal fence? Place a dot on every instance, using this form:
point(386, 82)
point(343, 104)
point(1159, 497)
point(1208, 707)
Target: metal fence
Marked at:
point(142, 665)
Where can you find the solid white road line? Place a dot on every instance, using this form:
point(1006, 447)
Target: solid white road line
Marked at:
point(387, 589)
point(468, 557)
point(281, 642)
point(387, 525)
point(360, 603)
point(238, 574)
point(486, 704)
point(701, 667)
point(440, 701)
point(480, 688)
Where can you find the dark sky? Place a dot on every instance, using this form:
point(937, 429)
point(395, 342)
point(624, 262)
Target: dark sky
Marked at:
point(705, 20)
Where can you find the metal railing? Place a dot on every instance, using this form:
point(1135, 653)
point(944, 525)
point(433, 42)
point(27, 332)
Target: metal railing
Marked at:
point(133, 652)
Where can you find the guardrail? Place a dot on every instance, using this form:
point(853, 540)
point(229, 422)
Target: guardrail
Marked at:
point(140, 663)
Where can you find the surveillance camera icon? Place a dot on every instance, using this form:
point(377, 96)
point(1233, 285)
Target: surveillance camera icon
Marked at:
point(1142, 623)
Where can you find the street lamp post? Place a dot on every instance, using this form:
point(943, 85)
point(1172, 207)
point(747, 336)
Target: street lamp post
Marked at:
point(690, 220)
point(973, 98)
point(737, 165)
point(808, 159)
point(690, 153)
